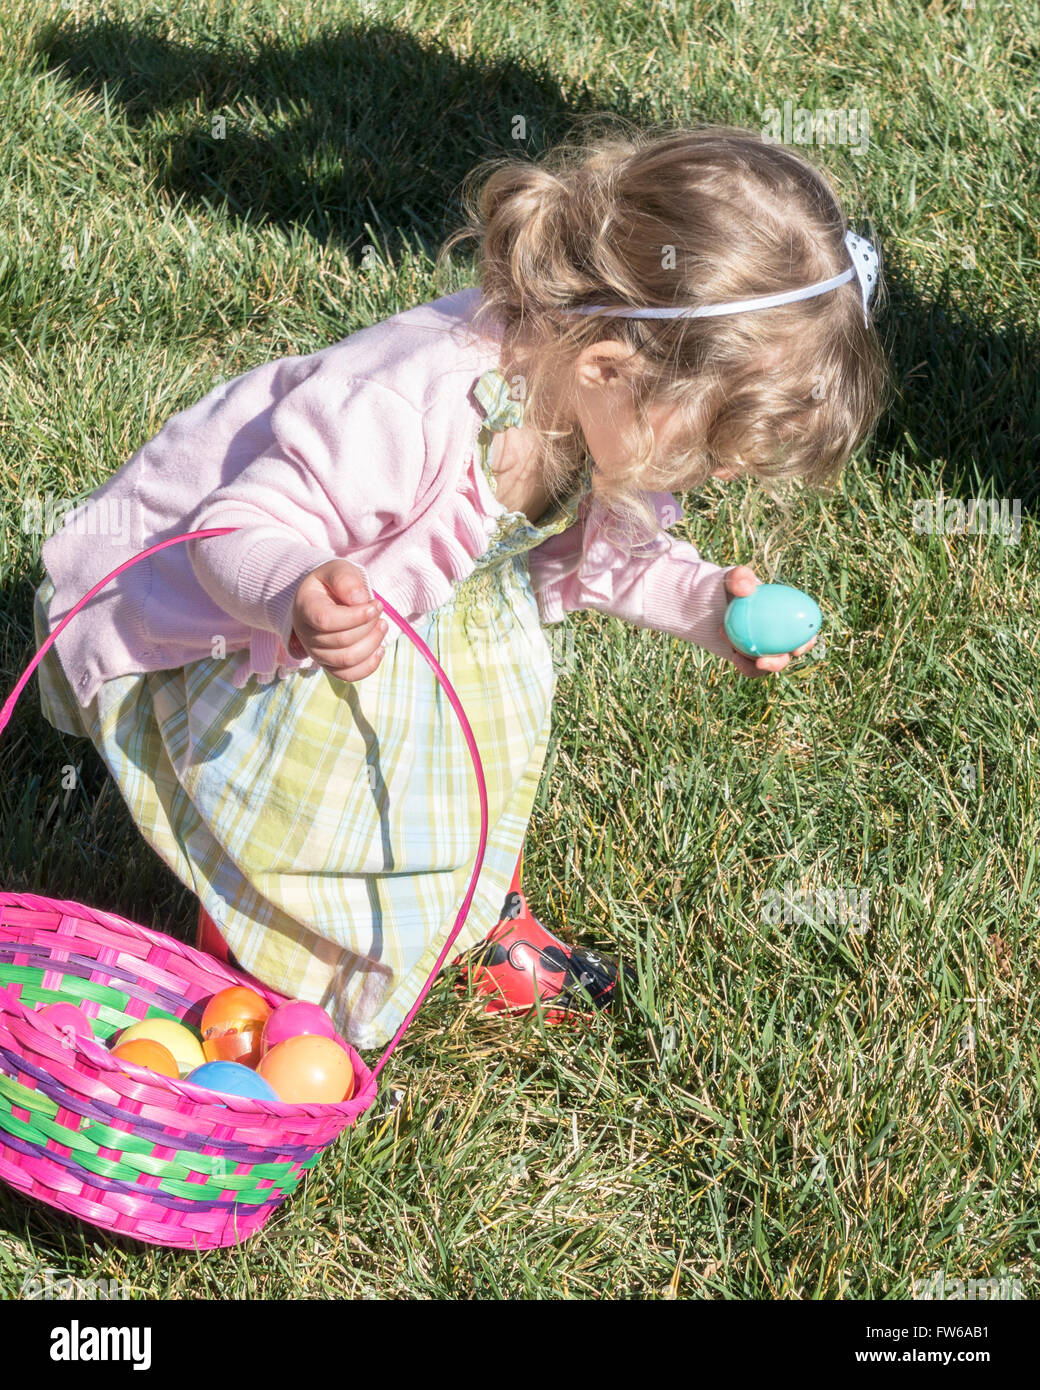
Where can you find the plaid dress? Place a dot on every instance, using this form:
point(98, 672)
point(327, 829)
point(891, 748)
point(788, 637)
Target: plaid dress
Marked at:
point(330, 828)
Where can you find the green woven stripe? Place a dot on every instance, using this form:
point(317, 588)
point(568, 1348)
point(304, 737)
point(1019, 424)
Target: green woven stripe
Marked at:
point(25, 1097)
point(105, 1137)
point(73, 989)
point(112, 1015)
point(194, 1190)
point(129, 1145)
point(21, 1129)
point(172, 1173)
point(244, 1186)
point(70, 1137)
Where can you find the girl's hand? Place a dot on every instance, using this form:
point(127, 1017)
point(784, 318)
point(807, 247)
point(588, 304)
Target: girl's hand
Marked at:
point(336, 623)
point(740, 582)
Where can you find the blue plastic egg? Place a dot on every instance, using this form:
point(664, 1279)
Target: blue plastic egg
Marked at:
point(774, 618)
point(233, 1079)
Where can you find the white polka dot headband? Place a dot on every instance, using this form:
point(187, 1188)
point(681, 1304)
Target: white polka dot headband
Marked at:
point(864, 267)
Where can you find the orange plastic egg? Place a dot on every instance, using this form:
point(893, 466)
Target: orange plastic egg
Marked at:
point(309, 1070)
point(233, 1025)
point(146, 1053)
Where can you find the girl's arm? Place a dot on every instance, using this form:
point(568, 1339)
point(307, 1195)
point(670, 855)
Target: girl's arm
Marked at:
point(344, 469)
point(666, 585)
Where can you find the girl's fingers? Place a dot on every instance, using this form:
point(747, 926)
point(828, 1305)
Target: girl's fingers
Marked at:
point(770, 664)
point(743, 663)
point(741, 581)
point(332, 645)
point(760, 666)
point(800, 651)
point(356, 657)
point(322, 618)
point(748, 668)
point(361, 669)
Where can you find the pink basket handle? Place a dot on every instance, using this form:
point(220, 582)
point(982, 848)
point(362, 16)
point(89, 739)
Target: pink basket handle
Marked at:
point(431, 660)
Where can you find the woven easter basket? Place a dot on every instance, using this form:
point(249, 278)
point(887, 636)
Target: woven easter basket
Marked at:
point(162, 1161)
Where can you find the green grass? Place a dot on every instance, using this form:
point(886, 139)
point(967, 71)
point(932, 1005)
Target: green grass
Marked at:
point(784, 1110)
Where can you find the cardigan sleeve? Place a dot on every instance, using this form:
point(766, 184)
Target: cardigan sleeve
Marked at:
point(343, 469)
point(664, 585)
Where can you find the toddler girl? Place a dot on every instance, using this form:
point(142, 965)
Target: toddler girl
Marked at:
point(654, 309)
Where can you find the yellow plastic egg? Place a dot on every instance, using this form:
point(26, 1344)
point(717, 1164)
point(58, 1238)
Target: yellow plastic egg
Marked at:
point(186, 1048)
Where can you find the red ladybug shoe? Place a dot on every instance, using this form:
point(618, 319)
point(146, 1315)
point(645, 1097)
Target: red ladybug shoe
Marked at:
point(520, 961)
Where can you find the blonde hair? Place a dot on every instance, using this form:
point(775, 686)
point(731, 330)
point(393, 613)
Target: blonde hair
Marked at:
point(679, 216)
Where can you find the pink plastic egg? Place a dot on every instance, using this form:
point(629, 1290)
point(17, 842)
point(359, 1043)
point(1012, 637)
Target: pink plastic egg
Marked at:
point(68, 1018)
point(294, 1020)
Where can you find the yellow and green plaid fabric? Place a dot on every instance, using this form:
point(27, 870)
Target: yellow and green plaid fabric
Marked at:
point(330, 828)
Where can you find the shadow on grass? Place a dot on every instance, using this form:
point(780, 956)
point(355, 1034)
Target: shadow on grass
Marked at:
point(369, 125)
point(968, 394)
point(363, 124)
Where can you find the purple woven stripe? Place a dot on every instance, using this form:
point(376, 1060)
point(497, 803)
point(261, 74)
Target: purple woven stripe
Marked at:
point(159, 992)
point(129, 1189)
point(101, 1110)
point(84, 967)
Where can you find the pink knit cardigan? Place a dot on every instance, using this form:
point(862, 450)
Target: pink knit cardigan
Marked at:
point(364, 450)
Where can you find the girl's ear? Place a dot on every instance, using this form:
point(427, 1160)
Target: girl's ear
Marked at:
point(603, 363)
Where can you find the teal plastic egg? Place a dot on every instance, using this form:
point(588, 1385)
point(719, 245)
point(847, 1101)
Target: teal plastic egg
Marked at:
point(774, 618)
